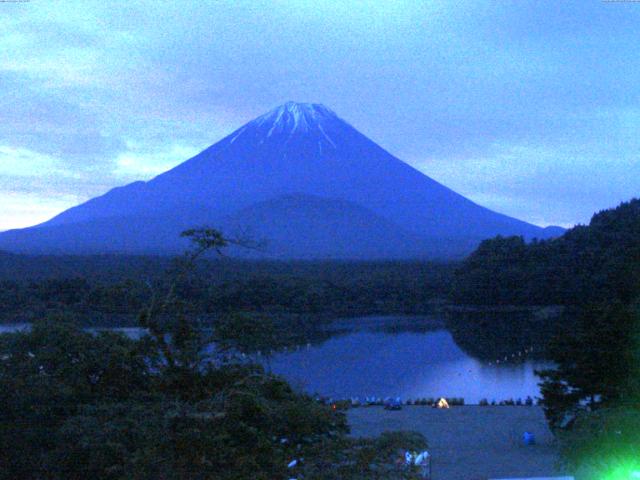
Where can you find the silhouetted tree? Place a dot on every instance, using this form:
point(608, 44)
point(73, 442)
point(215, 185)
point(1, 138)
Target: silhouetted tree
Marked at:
point(596, 361)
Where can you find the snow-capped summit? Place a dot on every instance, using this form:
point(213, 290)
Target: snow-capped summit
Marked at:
point(298, 175)
point(297, 116)
point(289, 119)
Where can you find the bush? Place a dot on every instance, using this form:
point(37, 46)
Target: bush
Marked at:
point(77, 405)
point(603, 444)
point(381, 458)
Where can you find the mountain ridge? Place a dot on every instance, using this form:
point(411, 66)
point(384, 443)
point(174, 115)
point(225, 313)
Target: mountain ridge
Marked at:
point(294, 149)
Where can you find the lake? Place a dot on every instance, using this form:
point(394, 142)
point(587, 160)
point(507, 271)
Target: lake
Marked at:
point(409, 357)
point(382, 360)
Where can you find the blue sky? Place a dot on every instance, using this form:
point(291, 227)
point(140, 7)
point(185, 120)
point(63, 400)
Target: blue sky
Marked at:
point(531, 108)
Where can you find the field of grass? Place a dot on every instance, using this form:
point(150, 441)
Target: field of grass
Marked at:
point(470, 442)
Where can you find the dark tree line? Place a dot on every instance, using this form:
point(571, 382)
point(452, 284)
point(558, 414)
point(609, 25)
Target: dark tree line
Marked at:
point(315, 287)
point(588, 264)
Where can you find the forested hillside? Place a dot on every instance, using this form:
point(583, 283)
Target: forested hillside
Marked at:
point(112, 289)
point(588, 264)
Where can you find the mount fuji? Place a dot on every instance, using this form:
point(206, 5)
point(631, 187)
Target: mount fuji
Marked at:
point(301, 179)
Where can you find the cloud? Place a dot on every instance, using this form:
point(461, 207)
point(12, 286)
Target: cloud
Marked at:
point(21, 162)
point(25, 209)
point(138, 163)
point(545, 183)
point(530, 107)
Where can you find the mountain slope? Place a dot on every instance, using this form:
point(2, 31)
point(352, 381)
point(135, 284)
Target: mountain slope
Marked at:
point(294, 149)
point(310, 227)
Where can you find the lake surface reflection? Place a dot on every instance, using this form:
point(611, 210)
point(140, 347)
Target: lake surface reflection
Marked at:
point(373, 361)
point(409, 357)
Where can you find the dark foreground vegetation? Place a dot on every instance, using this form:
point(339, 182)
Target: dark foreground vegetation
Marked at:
point(77, 405)
point(592, 397)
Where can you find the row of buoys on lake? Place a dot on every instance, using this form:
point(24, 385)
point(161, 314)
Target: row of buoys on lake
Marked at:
point(285, 350)
point(507, 358)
